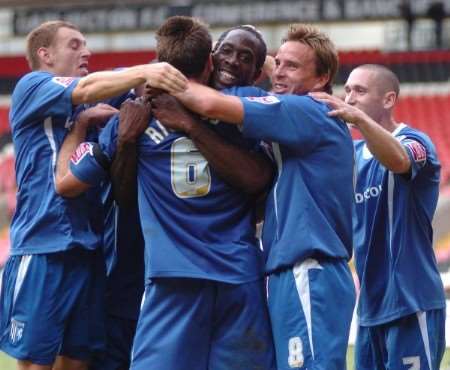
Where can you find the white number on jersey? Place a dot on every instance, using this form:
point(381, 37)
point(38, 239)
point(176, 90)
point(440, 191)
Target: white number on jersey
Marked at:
point(295, 359)
point(414, 361)
point(190, 173)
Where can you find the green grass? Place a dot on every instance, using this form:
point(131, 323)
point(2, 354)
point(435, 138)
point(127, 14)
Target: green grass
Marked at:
point(7, 363)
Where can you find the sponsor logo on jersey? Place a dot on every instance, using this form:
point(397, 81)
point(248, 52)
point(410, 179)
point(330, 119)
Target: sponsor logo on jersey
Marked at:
point(269, 99)
point(63, 81)
point(16, 331)
point(372, 192)
point(81, 152)
point(417, 150)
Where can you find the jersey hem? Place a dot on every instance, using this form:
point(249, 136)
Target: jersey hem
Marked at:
point(183, 274)
point(399, 314)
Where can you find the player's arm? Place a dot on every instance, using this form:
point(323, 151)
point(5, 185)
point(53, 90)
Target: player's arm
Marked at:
point(211, 103)
point(66, 183)
point(386, 148)
point(134, 118)
point(103, 85)
point(249, 171)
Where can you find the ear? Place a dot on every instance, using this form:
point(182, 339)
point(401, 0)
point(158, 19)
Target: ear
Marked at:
point(44, 56)
point(321, 82)
point(389, 100)
point(257, 76)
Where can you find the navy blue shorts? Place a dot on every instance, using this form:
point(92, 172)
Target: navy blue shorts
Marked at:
point(415, 341)
point(311, 308)
point(203, 325)
point(119, 341)
point(52, 304)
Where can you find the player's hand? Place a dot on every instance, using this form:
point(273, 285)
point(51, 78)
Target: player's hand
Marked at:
point(97, 115)
point(163, 76)
point(134, 118)
point(346, 112)
point(172, 114)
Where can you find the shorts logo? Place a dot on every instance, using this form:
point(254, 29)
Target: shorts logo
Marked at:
point(63, 81)
point(269, 99)
point(16, 331)
point(417, 150)
point(81, 152)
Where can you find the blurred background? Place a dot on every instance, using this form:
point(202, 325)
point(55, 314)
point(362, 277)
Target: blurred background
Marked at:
point(410, 37)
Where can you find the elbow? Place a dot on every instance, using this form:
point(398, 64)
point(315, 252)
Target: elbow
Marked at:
point(401, 166)
point(65, 191)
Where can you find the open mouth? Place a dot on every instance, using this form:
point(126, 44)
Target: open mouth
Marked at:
point(277, 87)
point(84, 66)
point(227, 77)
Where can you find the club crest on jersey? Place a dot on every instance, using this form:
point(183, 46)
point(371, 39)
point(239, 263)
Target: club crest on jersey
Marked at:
point(16, 331)
point(63, 81)
point(81, 152)
point(417, 150)
point(269, 99)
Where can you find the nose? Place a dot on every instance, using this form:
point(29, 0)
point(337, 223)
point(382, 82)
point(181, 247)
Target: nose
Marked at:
point(350, 98)
point(278, 71)
point(86, 53)
point(232, 59)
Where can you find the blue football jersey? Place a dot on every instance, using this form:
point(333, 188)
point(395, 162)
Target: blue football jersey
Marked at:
point(309, 209)
point(194, 224)
point(45, 222)
point(123, 244)
point(394, 256)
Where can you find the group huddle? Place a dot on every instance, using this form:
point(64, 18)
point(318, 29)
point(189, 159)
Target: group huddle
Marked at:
point(139, 190)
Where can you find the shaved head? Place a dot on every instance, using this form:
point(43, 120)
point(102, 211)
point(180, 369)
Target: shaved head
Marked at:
point(383, 78)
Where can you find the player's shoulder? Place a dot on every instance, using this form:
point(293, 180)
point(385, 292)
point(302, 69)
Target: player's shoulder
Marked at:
point(408, 133)
point(243, 91)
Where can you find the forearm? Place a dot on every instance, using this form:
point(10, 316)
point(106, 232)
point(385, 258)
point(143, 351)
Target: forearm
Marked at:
point(386, 148)
point(102, 85)
point(211, 103)
point(124, 174)
point(74, 138)
point(248, 171)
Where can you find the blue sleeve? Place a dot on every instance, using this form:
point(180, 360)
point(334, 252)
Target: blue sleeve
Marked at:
point(245, 91)
point(294, 121)
point(420, 150)
point(108, 136)
point(89, 164)
point(39, 95)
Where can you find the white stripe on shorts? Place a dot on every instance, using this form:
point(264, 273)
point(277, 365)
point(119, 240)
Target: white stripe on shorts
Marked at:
point(21, 273)
point(301, 277)
point(422, 319)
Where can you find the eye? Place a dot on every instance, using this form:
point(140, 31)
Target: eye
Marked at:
point(246, 58)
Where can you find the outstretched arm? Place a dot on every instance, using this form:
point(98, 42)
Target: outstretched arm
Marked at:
point(249, 171)
point(386, 148)
point(66, 183)
point(103, 85)
point(134, 118)
point(211, 103)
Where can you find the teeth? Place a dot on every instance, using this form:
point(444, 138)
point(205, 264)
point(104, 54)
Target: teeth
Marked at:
point(227, 75)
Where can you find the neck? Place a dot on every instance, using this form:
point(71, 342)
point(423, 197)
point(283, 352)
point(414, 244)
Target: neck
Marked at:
point(389, 123)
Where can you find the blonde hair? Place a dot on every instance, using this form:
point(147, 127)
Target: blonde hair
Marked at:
point(43, 36)
point(326, 56)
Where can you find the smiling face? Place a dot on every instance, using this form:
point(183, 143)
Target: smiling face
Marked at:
point(67, 55)
point(295, 70)
point(235, 60)
point(362, 90)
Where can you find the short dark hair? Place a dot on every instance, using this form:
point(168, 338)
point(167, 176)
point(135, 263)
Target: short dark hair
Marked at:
point(185, 43)
point(386, 79)
point(262, 51)
point(326, 55)
point(43, 36)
